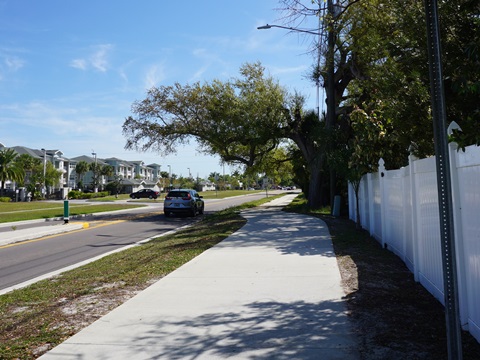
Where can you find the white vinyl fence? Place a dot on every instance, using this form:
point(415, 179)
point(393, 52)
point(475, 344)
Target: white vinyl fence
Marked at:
point(400, 209)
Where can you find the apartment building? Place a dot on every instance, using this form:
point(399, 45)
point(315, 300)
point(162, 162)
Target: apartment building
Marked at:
point(133, 175)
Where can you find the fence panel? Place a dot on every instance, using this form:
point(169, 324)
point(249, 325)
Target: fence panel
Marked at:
point(377, 209)
point(394, 211)
point(409, 256)
point(468, 166)
point(405, 201)
point(428, 223)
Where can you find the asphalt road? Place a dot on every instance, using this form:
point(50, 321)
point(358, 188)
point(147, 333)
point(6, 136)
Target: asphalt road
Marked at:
point(27, 261)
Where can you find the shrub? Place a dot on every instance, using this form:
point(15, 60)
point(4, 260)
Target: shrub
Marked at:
point(5, 199)
point(74, 194)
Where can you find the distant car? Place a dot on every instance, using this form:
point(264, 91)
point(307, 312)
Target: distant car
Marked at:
point(186, 201)
point(145, 193)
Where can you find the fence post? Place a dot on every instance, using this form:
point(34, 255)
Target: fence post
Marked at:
point(363, 190)
point(382, 174)
point(371, 211)
point(414, 214)
point(458, 228)
point(405, 203)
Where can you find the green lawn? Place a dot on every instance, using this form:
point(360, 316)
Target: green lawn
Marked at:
point(227, 193)
point(11, 212)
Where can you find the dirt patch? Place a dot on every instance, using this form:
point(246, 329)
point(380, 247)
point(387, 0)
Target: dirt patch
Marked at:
point(394, 316)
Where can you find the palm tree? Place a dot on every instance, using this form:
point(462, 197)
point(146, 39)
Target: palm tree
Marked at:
point(28, 163)
point(80, 169)
point(95, 167)
point(9, 169)
point(33, 172)
point(106, 170)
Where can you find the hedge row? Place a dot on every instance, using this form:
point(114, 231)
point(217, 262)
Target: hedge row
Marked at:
point(81, 195)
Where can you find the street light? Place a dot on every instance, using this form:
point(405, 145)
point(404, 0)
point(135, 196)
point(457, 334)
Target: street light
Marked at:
point(269, 26)
point(311, 32)
point(170, 176)
point(333, 12)
point(189, 173)
point(44, 172)
point(95, 189)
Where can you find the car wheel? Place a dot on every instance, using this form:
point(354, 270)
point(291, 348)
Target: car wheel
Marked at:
point(194, 211)
point(201, 210)
point(167, 214)
point(150, 197)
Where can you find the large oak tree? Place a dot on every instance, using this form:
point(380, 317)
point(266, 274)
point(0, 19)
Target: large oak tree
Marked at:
point(236, 119)
point(242, 120)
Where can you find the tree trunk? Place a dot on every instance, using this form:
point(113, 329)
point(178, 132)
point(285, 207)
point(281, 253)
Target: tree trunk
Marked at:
point(315, 195)
point(356, 188)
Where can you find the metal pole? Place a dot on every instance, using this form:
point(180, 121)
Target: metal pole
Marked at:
point(170, 177)
point(44, 172)
point(319, 53)
point(331, 116)
point(95, 180)
point(330, 67)
point(444, 183)
point(66, 211)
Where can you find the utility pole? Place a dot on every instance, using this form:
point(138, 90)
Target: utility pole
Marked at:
point(95, 179)
point(170, 177)
point(330, 62)
point(44, 172)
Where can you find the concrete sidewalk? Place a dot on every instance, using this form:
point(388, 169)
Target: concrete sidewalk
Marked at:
point(270, 291)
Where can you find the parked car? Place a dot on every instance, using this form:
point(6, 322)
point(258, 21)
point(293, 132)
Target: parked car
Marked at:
point(186, 201)
point(144, 193)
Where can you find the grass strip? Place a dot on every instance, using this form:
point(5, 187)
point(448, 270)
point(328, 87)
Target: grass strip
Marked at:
point(56, 211)
point(37, 318)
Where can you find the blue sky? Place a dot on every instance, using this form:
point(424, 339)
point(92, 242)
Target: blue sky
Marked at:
point(70, 70)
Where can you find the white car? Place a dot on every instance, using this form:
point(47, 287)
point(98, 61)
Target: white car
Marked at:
point(186, 201)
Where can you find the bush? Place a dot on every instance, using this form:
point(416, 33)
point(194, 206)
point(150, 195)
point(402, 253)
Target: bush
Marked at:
point(5, 199)
point(74, 194)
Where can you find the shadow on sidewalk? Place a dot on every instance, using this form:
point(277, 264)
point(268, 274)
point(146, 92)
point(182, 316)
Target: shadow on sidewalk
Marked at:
point(270, 330)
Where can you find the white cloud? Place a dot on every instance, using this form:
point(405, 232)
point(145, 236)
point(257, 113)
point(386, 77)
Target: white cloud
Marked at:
point(198, 75)
point(14, 63)
point(97, 60)
point(155, 75)
point(79, 64)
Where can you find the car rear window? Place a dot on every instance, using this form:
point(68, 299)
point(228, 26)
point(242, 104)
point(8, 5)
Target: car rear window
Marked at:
point(178, 194)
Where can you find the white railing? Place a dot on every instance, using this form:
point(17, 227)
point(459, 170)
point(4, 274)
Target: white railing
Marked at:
point(400, 209)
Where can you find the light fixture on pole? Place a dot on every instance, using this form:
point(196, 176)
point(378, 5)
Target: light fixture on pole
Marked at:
point(189, 173)
point(316, 32)
point(269, 26)
point(330, 76)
